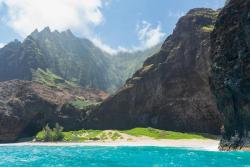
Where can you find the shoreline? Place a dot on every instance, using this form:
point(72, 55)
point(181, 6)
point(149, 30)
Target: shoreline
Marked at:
point(197, 144)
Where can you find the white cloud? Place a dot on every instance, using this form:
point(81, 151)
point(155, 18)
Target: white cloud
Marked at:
point(81, 16)
point(26, 15)
point(149, 35)
point(99, 43)
point(1, 45)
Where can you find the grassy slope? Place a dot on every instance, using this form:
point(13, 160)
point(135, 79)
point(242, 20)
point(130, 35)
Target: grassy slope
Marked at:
point(128, 63)
point(83, 104)
point(161, 134)
point(50, 79)
point(96, 135)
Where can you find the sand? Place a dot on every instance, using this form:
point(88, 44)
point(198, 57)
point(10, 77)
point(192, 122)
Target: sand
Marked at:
point(199, 144)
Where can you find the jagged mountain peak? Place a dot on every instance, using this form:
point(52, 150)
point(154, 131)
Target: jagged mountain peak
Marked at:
point(68, 32)
point(35, 32)
point(46, 30)
point(69, 57)
point(64, 54)
point(46, 33)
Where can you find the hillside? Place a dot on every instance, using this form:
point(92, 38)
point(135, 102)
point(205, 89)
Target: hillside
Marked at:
point(127, 63)
point(26, 107)
point(171, 91)
point(71, 58)
point(67, 56)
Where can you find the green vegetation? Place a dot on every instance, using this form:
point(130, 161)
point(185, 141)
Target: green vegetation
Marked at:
point(91, 135)
point(112, 135)
point(82, 104)
point(147, 68)
point(208, 28)
point(126, 63)
point(161, 134)
point(49, 79)
point(81, 135)
point(137, 78)
point(206, 13)
point(116, 136)
point(72, 59)
point(48, 134)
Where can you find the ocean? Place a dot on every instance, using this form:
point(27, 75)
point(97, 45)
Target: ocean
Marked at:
point(76, 156)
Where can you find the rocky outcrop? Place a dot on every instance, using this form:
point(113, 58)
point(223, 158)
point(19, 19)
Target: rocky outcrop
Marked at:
point(26, 107)
point(230, 78)
point(171, 91)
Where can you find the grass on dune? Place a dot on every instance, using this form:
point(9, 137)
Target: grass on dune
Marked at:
point(161, 134)
point(81, 135)
point(112, 135)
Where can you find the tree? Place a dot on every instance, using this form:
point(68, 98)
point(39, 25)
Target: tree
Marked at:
point(50, 135)
point(58, 132)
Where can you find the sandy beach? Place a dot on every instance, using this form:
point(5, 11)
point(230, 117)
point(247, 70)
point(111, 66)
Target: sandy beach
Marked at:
point(209, 145)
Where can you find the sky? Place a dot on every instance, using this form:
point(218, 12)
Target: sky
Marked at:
point(113, 25)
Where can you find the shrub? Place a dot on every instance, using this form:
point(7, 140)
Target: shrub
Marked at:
point(82, 104)
point(58, 131)
point(48, 134)
point(208, 28)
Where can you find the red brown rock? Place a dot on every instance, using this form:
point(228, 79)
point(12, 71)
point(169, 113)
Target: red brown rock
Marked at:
point(26, 107)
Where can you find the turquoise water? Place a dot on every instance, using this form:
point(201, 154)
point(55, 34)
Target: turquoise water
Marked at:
point(18, 156)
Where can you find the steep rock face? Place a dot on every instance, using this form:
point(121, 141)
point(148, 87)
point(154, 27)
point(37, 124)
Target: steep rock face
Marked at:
point(67, 56)
point(230, 78)
point(171, 91)
point(26, 107)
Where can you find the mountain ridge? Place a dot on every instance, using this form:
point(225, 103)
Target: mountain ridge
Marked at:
point(72, 58)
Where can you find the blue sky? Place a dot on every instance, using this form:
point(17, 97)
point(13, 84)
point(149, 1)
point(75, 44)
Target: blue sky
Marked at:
point(111, 24)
